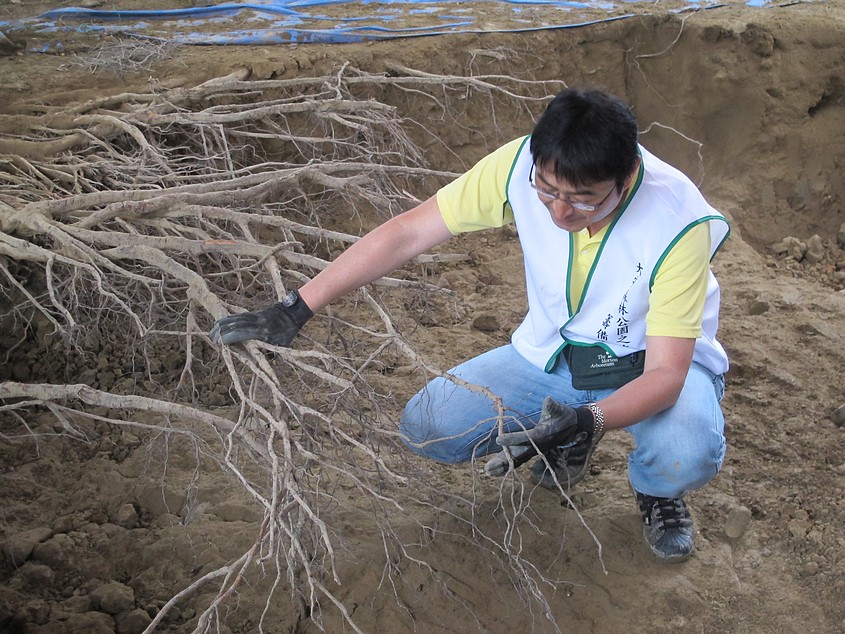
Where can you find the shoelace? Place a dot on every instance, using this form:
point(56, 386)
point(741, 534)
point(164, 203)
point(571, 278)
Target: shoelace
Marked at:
point(671, 512)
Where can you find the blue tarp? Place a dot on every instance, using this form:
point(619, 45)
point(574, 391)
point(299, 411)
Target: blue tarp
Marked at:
point(338, 21)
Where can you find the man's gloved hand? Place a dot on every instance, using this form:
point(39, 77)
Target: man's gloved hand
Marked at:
point(277, 324)
point(559, 426)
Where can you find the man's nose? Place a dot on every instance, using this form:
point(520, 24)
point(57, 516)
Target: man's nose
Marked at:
point(562, 208)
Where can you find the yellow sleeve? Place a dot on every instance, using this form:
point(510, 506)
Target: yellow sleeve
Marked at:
point(478, 198)
point(676, 304)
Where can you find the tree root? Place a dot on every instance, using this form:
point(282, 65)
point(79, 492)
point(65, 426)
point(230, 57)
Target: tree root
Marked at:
point(180, 207)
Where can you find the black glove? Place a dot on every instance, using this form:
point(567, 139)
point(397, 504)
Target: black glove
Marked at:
point(559, 426)
point(276, 324)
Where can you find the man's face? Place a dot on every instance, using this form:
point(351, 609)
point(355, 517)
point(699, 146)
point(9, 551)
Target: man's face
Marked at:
point(575, 208)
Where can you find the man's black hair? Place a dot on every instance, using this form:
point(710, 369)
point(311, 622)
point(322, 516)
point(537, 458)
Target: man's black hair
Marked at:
point(585, 137)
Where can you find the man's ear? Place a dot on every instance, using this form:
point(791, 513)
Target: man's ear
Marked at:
point(633, 175)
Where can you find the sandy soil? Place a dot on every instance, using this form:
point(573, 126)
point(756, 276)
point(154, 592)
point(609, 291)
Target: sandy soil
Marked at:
point(99, 532)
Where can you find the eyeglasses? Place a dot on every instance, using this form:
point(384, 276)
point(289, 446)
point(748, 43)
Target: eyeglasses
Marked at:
point(548, 197)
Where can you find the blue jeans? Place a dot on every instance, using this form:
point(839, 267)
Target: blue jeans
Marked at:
point(676, 451)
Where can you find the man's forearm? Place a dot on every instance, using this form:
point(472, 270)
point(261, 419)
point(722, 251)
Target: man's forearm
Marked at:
point(650, 393)
point(373, 256)
point(377, 254)
point(667, 363)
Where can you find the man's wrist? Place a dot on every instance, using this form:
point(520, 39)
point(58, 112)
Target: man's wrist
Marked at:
point(289, 300)
point(590, 419)
point(295, 306)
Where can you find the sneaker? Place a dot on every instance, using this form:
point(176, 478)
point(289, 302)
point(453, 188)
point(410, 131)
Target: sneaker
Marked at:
point(569, 462)
point(667, 527)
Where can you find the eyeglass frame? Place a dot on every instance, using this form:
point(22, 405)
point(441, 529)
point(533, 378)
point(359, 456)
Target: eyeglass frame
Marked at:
point(583, 207)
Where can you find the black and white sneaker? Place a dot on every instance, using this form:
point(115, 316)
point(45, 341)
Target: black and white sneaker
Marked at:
point(667, 527)
point(570, 463)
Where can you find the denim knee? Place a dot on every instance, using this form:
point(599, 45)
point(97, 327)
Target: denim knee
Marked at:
point(673, 465)
point(422, 435)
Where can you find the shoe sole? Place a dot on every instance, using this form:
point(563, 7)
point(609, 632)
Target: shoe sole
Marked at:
point(670, 559)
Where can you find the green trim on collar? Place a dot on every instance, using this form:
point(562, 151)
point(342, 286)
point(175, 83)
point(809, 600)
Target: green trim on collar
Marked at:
point(569, 279)
point(640, 175)
point(507, 202)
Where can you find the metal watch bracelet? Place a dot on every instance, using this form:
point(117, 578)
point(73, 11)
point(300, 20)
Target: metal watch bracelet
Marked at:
point(598, 415)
